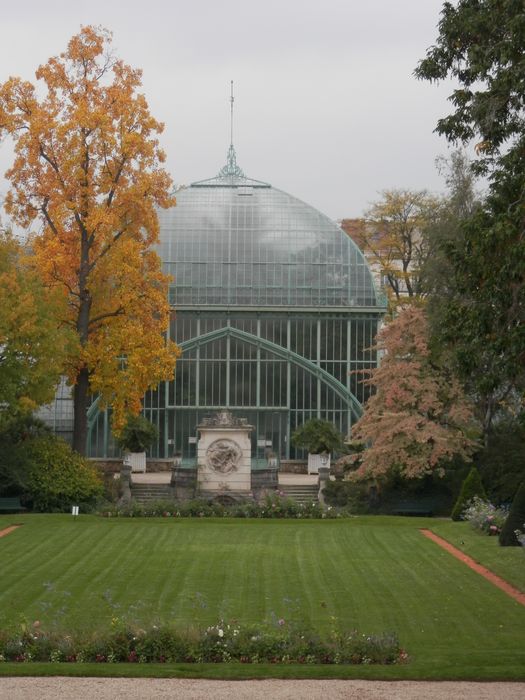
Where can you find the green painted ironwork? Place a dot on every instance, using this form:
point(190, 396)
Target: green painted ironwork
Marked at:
point(231, 169)
point(284, 354)
point(262, 344)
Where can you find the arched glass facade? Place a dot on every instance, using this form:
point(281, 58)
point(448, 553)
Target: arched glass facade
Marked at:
point(275, 309)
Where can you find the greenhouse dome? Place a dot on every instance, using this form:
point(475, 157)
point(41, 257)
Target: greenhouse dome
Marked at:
point(275, 309)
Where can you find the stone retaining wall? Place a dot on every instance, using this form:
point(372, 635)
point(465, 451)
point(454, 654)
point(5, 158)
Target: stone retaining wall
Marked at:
point(113, 465)
point(293, 466)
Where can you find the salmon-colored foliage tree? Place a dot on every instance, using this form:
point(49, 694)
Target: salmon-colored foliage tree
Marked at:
point(418, 418)
point(88, 168)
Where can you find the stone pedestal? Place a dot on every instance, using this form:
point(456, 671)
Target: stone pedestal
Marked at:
point(224, 455)
point(324, 478)
point(125, 485)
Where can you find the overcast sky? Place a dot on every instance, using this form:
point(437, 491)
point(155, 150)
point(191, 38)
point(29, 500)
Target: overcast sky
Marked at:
point(326, 106)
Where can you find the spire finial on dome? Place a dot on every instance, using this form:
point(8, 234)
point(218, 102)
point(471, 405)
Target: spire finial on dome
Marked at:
point(232, 98)
point(231, 169)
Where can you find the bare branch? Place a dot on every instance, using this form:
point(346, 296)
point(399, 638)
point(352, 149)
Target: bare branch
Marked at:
point(102, 317)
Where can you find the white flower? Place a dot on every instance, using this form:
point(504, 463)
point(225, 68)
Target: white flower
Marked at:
point(221, 633)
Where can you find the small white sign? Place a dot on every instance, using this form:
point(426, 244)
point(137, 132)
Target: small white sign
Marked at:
point(192, 440)
point(261, 443)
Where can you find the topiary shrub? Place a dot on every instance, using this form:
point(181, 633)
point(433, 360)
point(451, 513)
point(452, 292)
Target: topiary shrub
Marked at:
point(472, 486)
point(318, 436)
point(515, 520)
point(59, 477)
point(137, 435)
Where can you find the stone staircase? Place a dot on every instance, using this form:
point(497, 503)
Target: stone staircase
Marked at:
point(148, 493)
point(302, 493)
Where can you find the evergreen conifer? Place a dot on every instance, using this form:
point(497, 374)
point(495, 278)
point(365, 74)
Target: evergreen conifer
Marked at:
point(472, 486)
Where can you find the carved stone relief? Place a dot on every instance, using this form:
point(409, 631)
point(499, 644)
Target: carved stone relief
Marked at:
point(223, 456)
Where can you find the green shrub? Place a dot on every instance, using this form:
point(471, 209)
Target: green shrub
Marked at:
point(59, 477)
point(318, 436)
point(347, 494)
point(472, 486)
point(17, 433)
point(515, 520)
point(137, 435)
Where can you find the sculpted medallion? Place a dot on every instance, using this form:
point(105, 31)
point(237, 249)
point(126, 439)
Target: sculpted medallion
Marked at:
point(223, 456)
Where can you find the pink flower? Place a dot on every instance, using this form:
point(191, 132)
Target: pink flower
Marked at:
point(281, 622)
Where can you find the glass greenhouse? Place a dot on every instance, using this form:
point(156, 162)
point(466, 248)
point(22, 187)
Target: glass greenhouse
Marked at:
point(275, 309)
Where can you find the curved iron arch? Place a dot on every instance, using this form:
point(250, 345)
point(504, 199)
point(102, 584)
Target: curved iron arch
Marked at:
point(273, 348)
point(285, 354)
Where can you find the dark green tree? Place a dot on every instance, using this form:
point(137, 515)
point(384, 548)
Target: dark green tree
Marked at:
point(318, 436)
point(472, 486)
point(515, 520)
point(481, 44)
point(137, 435)
point(501, 464)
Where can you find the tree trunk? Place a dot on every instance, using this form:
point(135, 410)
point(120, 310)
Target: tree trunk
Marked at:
point(81, 397)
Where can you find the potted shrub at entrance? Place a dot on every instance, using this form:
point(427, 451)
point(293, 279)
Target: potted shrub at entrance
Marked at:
point(136, 437)
point(320, 438)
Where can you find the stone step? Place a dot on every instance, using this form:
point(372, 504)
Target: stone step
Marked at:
point(299, 489)
point(302, 494)
point(144, 488)
point(147, 493)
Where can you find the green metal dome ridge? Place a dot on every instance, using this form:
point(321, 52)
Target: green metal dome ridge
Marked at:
point(236, 241)
point(231, 175)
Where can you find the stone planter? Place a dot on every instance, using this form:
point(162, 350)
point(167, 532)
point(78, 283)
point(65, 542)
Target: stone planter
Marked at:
point(316, 462)
point(136, 460)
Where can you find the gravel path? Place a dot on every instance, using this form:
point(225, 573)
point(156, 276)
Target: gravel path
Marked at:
point(511, 591)
point(163, 688)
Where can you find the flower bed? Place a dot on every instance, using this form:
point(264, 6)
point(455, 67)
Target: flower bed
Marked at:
point(277, 642)
point(271, 507)
point(484, 516)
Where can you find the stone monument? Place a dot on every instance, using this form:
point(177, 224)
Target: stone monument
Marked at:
point(224, 455)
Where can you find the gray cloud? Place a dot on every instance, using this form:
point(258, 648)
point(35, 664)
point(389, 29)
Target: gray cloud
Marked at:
point(326, 104)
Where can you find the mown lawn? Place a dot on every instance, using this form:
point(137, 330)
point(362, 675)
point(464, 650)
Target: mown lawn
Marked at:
point(375, 574)
point(507, 562)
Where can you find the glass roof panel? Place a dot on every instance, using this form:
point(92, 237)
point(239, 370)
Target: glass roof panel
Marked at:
point(236, 241)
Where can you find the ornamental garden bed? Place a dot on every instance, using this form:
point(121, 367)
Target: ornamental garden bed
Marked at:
point(93, 578)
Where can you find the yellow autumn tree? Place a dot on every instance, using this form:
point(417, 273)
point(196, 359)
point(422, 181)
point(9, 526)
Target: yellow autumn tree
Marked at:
point(393, 235)
point(32, 348)
point(88, 168)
